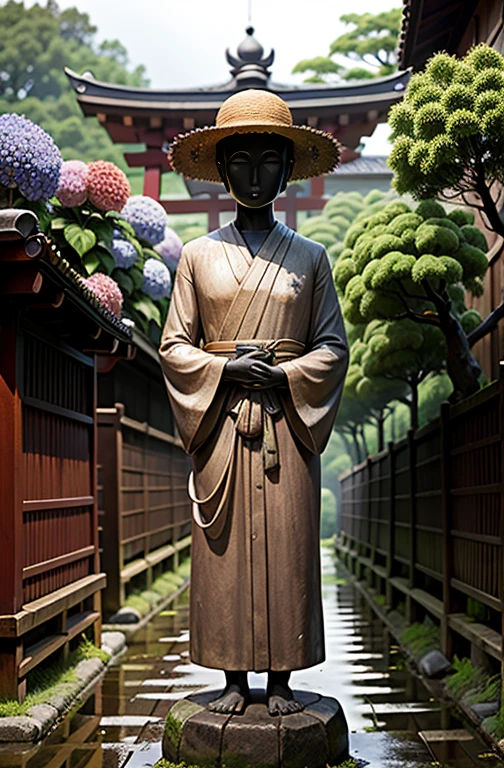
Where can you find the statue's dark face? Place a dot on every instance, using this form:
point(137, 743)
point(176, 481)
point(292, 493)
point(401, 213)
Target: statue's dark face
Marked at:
point(254, 167)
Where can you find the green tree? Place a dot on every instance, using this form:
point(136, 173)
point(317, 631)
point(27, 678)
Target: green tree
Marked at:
point(374, 390)
point(36, 43)
point(352, 416)
point(340, 211)
point(401, 351)
point(371, 43)
point(328, 514)
point(447, 137)
point(404, 264)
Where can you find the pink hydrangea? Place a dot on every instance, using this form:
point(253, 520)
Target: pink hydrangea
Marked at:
point(170, 248)
point(72, 189)
point(108, 187)
point(107, 291)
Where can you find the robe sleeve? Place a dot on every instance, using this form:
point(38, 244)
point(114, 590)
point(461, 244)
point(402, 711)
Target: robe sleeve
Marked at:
point(192, 376)
point(316, 378)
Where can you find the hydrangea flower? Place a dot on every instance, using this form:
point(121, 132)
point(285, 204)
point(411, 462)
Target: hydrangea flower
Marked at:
point(170, 248)
point(29, 158)
point(72, 189)
point(107, 291)
point(123, 252)
point(147, 217)
point(157, 279)
point(108, 187)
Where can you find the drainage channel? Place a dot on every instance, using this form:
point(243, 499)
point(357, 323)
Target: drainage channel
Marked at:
point(393, 719)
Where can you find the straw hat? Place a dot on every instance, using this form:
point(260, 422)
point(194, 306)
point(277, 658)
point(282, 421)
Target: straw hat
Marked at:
point(254, 111)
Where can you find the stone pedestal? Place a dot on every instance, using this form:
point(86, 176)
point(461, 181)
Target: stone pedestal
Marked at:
point(313, 738)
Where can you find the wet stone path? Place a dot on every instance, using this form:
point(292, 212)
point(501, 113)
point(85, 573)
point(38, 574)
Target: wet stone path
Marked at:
point(393, 720)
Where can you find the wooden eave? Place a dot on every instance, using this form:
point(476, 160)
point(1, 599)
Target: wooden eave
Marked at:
point(429, 26)
point(53, 295)
point(201, 105)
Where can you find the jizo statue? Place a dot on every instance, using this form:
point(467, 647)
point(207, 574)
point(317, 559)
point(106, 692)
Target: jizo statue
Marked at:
point(254, 354)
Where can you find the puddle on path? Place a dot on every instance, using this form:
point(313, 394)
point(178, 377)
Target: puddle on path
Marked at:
point(394, 722)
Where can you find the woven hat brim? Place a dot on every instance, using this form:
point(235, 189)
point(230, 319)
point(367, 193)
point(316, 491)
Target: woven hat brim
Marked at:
point(315, 152)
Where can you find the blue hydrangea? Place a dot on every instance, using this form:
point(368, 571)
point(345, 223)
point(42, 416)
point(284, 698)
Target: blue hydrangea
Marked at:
point(123, 252)
point(29, 158)
point(147, 217)
point(157, 279)
point(170, 249)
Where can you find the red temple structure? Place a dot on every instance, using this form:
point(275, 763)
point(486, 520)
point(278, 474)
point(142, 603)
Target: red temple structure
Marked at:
point(153, 117)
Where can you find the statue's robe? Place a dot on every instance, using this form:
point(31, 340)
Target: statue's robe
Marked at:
point(255, 577)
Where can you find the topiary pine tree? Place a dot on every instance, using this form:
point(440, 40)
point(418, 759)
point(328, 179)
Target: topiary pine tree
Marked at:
point(403, 264)
point(403, 351)
point(340, 211)
point(447, 135)
point(447, 131)
point(374, 391)
point(352, 415)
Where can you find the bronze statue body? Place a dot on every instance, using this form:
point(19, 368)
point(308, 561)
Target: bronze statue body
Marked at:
point(254, 355)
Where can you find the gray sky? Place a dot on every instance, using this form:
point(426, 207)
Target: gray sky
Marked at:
point(183, 42)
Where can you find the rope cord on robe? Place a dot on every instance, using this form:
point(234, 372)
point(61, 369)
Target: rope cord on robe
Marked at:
point(253, 413)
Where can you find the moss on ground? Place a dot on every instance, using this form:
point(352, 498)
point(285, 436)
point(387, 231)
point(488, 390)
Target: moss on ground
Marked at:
point(165, 585)
point(473, 684)
point(173, 729)
point(44, 682)
point(419, 639)
point(495, 725)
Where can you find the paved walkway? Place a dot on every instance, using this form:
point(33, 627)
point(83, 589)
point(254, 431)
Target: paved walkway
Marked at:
point(394, 722)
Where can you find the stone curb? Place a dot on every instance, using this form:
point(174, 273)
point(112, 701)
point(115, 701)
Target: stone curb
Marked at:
point(42, 717)
point(130, 629)
point(435, 687)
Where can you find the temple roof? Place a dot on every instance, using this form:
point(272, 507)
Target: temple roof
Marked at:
point(93, 93)
point(153, 116)
point(366, 165)
point(429, 26)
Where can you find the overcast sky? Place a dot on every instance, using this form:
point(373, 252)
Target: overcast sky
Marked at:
point(183, 42)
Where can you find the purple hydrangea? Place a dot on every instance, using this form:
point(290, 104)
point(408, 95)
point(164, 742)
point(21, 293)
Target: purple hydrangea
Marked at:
point(170, 248)
point(147, 217)
point(123, 252)
point(29, 158)
point(157, 279)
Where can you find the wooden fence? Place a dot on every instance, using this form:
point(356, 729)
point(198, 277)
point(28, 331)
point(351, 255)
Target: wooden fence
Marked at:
point(144, 510)
point(425, 517)
point(50, 330)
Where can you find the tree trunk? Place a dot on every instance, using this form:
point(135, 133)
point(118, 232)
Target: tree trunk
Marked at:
point(358, 450)
point(491, 211)
point(488, 325)
point(363, 438)
point(414, 404)
point(462, 367)
point(380, 421)
point(350, 448)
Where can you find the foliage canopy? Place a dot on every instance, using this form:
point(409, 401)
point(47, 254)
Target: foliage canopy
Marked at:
point(36, 43)
point(370, 44)
point(447, 132)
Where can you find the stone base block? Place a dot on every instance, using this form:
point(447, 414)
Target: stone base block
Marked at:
point(313, 738)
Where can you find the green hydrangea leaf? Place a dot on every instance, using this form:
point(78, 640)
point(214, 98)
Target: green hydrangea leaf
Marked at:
point(80, 239)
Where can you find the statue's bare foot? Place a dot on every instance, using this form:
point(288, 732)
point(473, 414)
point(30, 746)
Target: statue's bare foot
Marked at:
point(233, 701)
point(281, 700)
point(278, 705)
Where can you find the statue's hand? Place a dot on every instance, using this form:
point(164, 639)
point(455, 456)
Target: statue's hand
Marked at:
point(250, 371)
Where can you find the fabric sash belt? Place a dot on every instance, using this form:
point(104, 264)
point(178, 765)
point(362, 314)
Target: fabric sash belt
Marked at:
point(281, 349)
point(253, 412)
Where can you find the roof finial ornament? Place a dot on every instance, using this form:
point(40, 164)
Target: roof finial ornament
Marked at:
point(249, 66)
